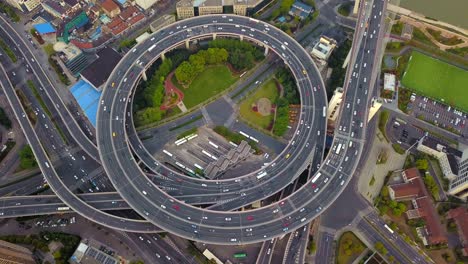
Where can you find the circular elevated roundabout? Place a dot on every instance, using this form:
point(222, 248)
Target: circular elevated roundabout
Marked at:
point(216, 226)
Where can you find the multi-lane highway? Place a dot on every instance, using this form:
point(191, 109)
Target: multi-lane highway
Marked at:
point(236, 227)
point(221, 227)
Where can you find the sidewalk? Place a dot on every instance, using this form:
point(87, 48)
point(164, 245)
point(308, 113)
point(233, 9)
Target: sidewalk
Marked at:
point(371, 169)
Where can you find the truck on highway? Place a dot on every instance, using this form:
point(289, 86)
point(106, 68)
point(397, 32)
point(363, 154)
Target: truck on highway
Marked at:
point(316, 177)
point(261, 175)
point(338, 149)
point(64, 208)
point(152, 47)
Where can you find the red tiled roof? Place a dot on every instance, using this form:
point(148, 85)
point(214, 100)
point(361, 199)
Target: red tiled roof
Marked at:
point(135, 19)
point(460, 216)
point(414, 188)
point(412, 173)
point(408, 190)
point(115, 23)
point(109, 5)
point(82, 45)
point(435, 233)
point(117, 30)
point(129, 12)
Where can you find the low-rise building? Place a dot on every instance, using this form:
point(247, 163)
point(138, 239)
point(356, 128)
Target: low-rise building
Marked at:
point(94, 252)
point(61, 9)
point(145, 4)
point(460, 216)
point(55, 9)
point(414, 190)
point(110, 8)
point(323, 48)
point(14, 254)
point(46, 31)
point(191, 8)
point(185, 9)
point(71, 56)
point(389, 82)
point(98, 71)
point(334, 104)
point(161, 22)
point(301, 10)
point(209, 7)
point(129, 12)
point(24, 5)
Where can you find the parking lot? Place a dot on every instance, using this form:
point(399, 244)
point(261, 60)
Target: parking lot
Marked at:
point(207, 154)
point(439, 114)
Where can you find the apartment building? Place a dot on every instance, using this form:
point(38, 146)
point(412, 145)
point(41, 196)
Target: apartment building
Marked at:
point(24, 5)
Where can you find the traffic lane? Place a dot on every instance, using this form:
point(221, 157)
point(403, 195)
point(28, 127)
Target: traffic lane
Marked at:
point(324, 248)
point(373, 237)
point(402, 246)
point(66, 116)
point(50, 174)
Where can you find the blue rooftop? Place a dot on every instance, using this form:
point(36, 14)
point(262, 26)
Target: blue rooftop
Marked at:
point(302, 6)
point(88, 99)
point(44, 28)
point(122, 1)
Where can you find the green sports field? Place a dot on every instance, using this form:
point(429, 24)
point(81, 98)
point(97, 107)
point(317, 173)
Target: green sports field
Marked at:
point(437, 79)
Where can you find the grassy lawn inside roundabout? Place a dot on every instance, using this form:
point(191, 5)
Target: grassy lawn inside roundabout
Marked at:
point(214, 80)
point(249, 106)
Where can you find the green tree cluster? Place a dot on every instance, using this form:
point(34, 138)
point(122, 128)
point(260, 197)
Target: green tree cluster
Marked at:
point(27, 159)
point(431, 185)
point(4, 120)
point(336, 62)
point(288, 82)
point(235, 137)
point(422, 164)
point(242, 55)
point(10, 11)
point(385, 203)
point(285, 6)
point(349, 247)
point(282, 117)
point(69, 242)
point(379, 246)
point(187, 71)
point(153, 96)
point(33, 240)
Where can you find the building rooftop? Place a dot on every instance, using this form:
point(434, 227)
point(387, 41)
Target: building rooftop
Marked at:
point(389, 81)
point(44, 28)
point(98, 72)
point(136, 18)
point(71, 2)
point(208, 3)
point(184, 3)
point(434, 144)
point(56, 6)
point(460, 216)
point(129, 12)
point(109, 5)
point(303, 6)
point(414, 189)
point(411, 174)
point(44, 15)
point(434, 231)
point(407, 190)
